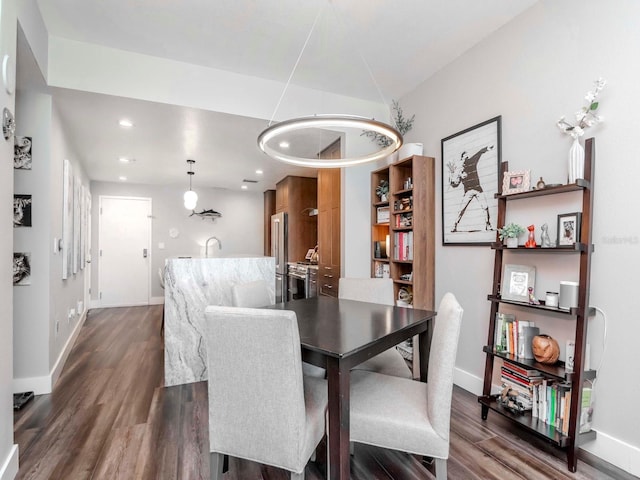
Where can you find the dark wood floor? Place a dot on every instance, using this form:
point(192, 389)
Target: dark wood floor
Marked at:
point(110, 418)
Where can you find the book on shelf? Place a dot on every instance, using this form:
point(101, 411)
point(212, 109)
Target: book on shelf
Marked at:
point(404, 220)
point(403, 246)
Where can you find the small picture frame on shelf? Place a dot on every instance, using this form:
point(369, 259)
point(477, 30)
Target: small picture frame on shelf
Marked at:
point(568, 229)
point(516, 182)
point(382, 215)
point(516, 281)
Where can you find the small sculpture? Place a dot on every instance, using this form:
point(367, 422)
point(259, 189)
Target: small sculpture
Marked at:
point(532, 299)
point(531, 242)
point(544, 236)
point(545, 349)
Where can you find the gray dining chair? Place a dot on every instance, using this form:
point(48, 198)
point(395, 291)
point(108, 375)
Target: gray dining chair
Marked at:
point(407, 415)
point(261, 407)
point(376, 290)
point(256, 294)
point(251, 294)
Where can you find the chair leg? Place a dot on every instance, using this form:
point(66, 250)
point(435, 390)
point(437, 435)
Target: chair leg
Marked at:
point(297, 476)
point(352, 448)
point(441, 469)
point(216, 461)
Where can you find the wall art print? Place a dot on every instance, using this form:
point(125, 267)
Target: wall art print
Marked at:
point(22, 153)
point(470, 169)
point(22, 210)
point(21, 268)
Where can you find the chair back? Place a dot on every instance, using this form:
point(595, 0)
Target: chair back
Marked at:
point(442, 360)
point(374, 290)
point(161, 276)
point(251, 295)
point(256, 393)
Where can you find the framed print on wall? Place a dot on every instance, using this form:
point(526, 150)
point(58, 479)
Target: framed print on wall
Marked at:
point(470, 170)
point(516, 281)
point(516, 182)
point(568, 229)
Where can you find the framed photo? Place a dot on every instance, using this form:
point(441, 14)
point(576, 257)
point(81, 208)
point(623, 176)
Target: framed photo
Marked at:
point(516, 182)
point(22, 210)
point(22, 153)
point(382, 215)
point(568, 229)
point(516, 281)
point(21, 268)
point(470, 171)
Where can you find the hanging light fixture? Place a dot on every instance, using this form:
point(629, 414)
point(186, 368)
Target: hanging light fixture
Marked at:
point(190, 197)
point(271, 139)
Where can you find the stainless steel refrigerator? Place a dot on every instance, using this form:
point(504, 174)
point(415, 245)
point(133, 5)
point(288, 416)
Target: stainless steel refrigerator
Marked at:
point(279, 251)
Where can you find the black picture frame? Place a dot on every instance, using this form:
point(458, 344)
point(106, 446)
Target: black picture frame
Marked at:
point(470, 184)
point(568, 229)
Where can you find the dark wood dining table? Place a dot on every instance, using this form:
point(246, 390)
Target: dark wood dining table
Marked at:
point(339, 334)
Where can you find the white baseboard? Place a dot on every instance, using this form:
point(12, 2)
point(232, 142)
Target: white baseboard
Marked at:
point(609, 449)
point(9, 468)
point(44, 385)
point(156, 300)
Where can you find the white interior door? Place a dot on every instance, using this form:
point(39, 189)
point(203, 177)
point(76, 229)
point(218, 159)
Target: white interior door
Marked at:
point(124, 257)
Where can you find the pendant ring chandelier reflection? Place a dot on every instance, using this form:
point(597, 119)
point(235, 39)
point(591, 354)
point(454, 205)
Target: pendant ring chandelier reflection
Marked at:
point(332, 121)
point(329, 121)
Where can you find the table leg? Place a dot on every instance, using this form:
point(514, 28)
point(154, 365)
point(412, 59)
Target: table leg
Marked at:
point(424, 342)
point(338, 406)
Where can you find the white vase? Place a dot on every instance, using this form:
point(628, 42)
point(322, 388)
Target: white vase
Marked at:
point(409, 149)
point(576, 161)
point(393, 157)
point(512, 242)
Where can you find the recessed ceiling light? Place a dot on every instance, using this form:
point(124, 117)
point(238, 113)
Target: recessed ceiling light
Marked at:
point(284, 144)
point(126, 160)
point(125, 123)
point(244, 187)
point(259, 172)
point(122, 178)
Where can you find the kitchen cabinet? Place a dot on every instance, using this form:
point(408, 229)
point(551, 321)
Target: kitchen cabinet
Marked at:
point(269, 209)
point(329, 212)
point(298, 197)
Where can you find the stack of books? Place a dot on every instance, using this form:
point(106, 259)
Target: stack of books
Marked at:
point(403, 246)
point(514, 336)
point(552, 401)
point(521, 380)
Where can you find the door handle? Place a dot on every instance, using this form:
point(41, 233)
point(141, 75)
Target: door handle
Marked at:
point(144, 253)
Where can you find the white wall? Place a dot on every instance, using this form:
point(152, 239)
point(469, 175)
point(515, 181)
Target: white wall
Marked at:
point(8, 451)
point(240, 229)
point(531, 72)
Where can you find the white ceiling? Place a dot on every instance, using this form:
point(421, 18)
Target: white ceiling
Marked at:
point(402, 43)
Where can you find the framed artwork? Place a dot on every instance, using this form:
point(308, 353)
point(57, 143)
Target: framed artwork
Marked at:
point(568, 229)
point(516, 182)
point(21, 268)
point(22, 210)
point(470, 170)
point(22, 153)
point(516, 282)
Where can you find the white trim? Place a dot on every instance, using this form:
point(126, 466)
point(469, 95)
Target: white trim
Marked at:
point(467, 381)
point(156, 301)
point(44, 385)
point(616, 452)
point(9, 469)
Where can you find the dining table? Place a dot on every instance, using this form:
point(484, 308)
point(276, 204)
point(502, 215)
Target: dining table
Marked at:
point(339, 334)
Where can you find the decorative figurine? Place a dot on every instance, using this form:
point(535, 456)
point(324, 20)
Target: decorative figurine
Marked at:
point(531, 242)
point(532, 300)
point(540, 185)
point(544, 236)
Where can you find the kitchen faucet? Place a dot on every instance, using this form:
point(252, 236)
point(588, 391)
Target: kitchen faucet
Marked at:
point(206, 245)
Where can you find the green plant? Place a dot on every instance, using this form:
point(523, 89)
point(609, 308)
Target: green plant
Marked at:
point(382, 188)
point(400, 123)
point(512, 230)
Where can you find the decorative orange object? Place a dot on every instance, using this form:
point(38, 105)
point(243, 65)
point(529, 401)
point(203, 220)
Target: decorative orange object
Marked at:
point(545, 349)
point(531, 241)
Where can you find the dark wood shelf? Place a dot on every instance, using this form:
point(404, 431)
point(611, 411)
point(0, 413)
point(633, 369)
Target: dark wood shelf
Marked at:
point(402, 229)
point(403, 282)
point(398, 212)
point(580, 184)
point(381, 204)
point(409, 262)
point(385, 260)
point(535, 425)
point(557, 370)
point(571, 312)
point(575, 248)
point(403, 193)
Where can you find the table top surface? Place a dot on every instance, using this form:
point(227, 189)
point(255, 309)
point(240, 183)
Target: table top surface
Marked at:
point(339, 327)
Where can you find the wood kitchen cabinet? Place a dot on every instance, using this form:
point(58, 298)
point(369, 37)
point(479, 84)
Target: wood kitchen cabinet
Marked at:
point(269, 209)
point(298, 196)
point(329, 197)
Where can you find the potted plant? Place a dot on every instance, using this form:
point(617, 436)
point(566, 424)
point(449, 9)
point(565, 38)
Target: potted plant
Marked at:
point(382, 190)
point(510, 233)
point(399, 122)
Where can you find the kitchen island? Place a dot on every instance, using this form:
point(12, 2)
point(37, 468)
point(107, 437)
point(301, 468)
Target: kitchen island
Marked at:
point(191, 284)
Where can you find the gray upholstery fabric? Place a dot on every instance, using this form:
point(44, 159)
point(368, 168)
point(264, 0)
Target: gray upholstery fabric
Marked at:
point(260, 406)
point(376, 290)
point(407, 415)
point(251, 294)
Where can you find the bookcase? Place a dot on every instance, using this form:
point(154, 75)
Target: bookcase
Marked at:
point(403, 230)
point(572, 379)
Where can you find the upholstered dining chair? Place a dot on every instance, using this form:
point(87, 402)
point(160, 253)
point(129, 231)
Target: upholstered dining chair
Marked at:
point(261, 407)
point(251, 294)
point(376, 290)
point(161, 278)
point(407, 415)
point(256, 294)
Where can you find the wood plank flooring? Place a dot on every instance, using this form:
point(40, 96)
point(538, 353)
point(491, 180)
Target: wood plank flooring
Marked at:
point(109, 417)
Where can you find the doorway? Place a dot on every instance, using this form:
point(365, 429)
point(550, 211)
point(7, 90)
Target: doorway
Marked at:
point(124, 251)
